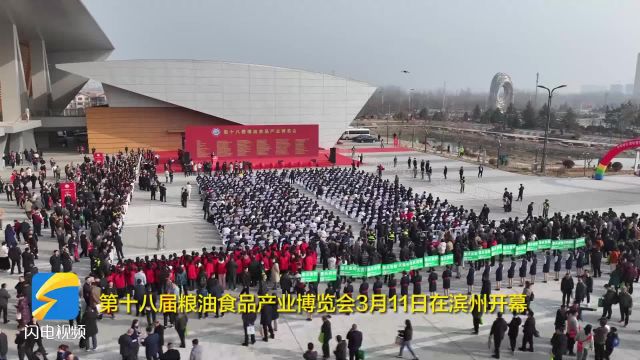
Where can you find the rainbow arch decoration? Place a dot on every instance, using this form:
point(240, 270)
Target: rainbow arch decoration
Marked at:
point(612, 153)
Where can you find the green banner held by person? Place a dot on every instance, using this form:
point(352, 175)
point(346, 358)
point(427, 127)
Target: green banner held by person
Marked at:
point(431, 261)
point(309, 276)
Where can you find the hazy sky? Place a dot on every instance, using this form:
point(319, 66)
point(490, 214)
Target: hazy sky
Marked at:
point(462, 42)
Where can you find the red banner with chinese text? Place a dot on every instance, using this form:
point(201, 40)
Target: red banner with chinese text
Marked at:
point(98, 157)
point(68, 189)
point(251, 141)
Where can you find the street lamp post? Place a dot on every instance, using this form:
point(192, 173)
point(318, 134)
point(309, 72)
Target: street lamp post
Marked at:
point(498, 157)
point(543, 165)
point(409, 113)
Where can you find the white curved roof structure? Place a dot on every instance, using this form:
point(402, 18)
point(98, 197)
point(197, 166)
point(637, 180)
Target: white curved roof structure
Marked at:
point(243, 93)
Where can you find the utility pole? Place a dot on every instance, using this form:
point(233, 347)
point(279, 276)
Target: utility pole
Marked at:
point(444, 97)
point(546, 129)
point(535, 101)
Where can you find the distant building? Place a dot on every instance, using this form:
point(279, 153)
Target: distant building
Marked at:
point(636, 85)
point(628, 89)
point(590, 88)
point(84, 100)
point(616, 89)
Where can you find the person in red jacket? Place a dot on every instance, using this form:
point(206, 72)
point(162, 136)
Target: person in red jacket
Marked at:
point(308, 262)
point(192, 274)
point(119, 280)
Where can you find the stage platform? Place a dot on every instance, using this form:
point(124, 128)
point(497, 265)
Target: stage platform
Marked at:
point(321, 160)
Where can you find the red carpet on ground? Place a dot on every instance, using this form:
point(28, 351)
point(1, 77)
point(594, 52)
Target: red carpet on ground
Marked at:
point(322, 160)
point(375, 149)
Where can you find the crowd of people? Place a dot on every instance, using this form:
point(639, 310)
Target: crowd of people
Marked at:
point(86, 223)
point(274, 224)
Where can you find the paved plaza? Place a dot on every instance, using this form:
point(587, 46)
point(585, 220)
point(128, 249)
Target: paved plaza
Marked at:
point(435, 335)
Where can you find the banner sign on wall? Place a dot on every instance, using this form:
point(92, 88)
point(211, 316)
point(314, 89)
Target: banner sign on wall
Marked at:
point(251, 141)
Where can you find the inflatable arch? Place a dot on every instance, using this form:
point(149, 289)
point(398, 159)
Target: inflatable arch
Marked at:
point(606, 159)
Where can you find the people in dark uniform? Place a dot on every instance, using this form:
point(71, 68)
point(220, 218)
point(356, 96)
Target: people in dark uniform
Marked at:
point(546, 267)
point(579, 263)
point(557, 266)
point(486, 272)
point(377, 286)
point(470, 278)
point(511, 273)
point(433, 282)
point(514, 329)
point(522, 271)
point(417, 281)
point(404, 282)
point(446, 280)
point(391, 284)
point(533, 268)
point(498, 328)
point(499, 275)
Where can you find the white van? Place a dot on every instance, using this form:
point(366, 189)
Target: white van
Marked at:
point(353, 132)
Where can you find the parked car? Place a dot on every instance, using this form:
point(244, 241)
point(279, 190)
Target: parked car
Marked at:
point(364, 139)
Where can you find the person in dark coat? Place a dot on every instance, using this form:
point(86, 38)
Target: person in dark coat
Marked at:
point(476, 316)
point(581, 291)
point(546, 267)
point(325, 329)
point(391, 284)
point(557, 266)
point(90, 322)
point(181, 327)
point(354, 337)
point(55, 262)
point(151, 344)
point(126, 345)
point(596, 260)
point(404, 284)
point(377, 286)
point(159, 329)
point(522, 271)
point(364, 289)
point(566, 286)
point(171, 353)
point(417, 283)
point(579, 263)
point(533, 268)
point(486, 289)
point(248, 319)
point(499, 270)
point(433, 282)
point(341, 349)
point(558, 343)
point(529, 331)
point(568, 264)
point(266, 319)
point(498, 328)
point(446, 280)
point(514, 329)
point(588, 281)
point(470, 279)
point(511, 273)
point(407, 336)
point(486, 272)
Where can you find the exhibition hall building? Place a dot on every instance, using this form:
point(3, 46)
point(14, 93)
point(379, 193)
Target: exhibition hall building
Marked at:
point(150, 103)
